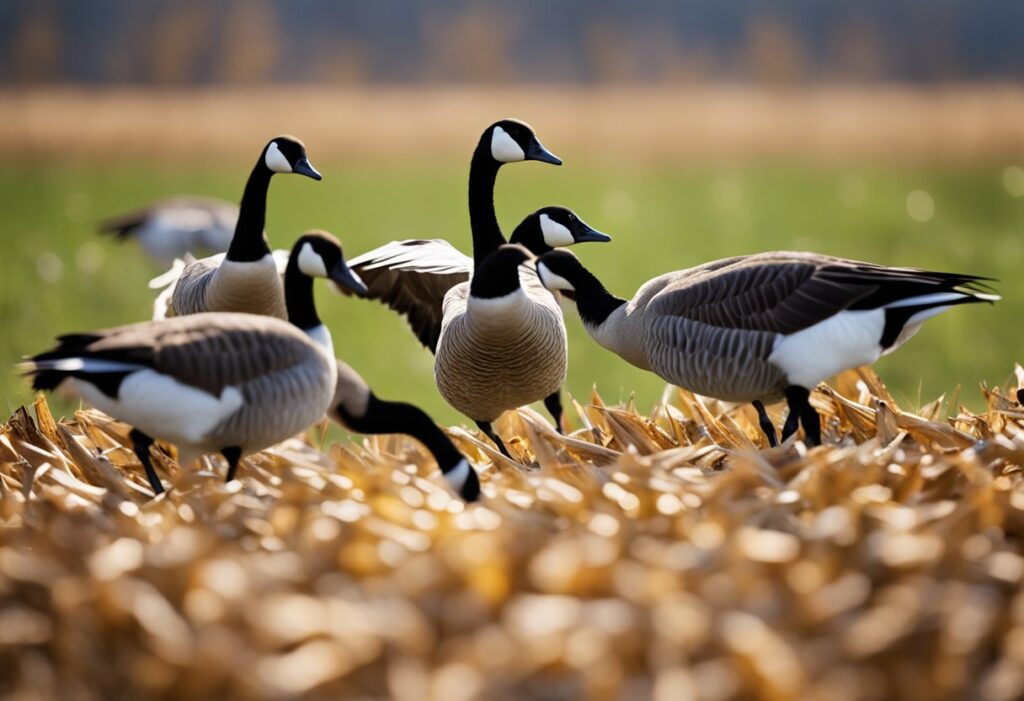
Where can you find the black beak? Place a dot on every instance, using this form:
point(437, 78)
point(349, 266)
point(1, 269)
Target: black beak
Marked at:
point(586, 234)
point(343, 276)
point(537, 152)
point(304, 167)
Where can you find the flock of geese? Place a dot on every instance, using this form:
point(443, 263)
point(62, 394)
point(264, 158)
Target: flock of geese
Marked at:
point(236, 358)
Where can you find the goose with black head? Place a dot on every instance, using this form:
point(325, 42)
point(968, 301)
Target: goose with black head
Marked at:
point(214, 382)
point(762, 327)
point(248, 278)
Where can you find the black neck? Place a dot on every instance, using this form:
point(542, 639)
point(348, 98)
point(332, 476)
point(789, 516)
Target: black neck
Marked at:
point(397, 417)
point(298, 297)
point(496, 277)
point(593, 302)
point(249, 244)
point(483, 171)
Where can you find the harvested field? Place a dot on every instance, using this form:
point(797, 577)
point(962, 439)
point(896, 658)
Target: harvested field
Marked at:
point(657, 556)
point(667, 124)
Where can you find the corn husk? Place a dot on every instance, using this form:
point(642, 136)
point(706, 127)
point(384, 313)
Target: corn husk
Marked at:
point(666, 556)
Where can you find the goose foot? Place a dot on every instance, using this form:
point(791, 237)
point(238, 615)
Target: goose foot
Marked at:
point(485, 426)
point(141, 444)
point(232, 455)
point(801, 412)
point(766, 423)
point(553, 402)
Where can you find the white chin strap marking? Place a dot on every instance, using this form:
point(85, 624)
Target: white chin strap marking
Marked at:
point(552, 281)
point(555, 235)
point(504, 148)
point(311, 263)
point(275, 160)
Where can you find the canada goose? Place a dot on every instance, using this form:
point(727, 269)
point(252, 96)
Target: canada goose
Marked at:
point(413, 277)
point(173, 227)
point(762, 327)
point(246, 278)
point(502, 341)
point(356, 406)
point(212, 382)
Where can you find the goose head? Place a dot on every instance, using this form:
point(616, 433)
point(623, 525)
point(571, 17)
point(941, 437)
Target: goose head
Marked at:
point(510, 140)
point(286, 154)
point(560, 271)
point(554, 227)
point(319, 254)
point(498, 276)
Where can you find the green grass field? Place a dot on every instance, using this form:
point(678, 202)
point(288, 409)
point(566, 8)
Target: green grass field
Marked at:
point(58, 276)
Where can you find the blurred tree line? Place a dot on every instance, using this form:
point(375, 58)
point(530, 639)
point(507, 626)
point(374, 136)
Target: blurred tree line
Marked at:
point(205, 42)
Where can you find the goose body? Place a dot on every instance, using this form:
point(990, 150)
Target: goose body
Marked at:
point(427, 281)
point(202, 382)
point(211, 382)
point(762, 327)
point(176, 226)
point(502, 343)
point(246, 277)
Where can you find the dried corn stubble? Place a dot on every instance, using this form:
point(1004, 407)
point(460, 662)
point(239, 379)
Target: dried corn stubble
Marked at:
point(643, 556)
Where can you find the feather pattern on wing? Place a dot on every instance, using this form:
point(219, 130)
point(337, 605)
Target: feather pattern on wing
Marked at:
point(412, 277)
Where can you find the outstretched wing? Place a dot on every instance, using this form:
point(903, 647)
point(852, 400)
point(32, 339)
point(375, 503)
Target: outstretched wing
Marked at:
point(412, 277)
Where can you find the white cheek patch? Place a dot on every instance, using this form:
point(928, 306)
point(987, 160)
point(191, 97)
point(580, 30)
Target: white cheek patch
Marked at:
point(555, 235)
point(275, 160)
point(456, 477)
point(504, 148)
point(551, 281)
point(311, 263)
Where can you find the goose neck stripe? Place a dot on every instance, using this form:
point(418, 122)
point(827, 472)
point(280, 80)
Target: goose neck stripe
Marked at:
point(249, 243)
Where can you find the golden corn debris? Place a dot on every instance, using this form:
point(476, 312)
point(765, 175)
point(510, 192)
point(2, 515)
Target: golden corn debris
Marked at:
point(670, 556)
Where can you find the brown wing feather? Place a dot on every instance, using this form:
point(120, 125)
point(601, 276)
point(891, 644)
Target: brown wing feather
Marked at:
point(209, 351)
point(413, 285)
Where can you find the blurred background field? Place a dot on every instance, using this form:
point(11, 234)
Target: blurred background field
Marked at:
point(888, 131)
point(922, 177)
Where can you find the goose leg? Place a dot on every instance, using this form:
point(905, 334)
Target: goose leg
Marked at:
point(811, 422)
point(485, 426)
point(140, 444)
point(553, 402)
point(766, 423)
point(232, 455)
point(796, 397)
